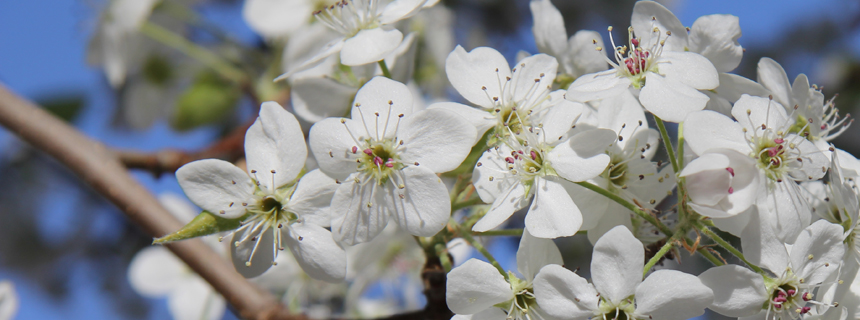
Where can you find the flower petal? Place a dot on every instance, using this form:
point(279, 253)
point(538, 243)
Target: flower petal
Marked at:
point(733, 86)
point(315, 99)
point(331, 143)
point(670, 99)
point(422, 207)
point(583, 156)
point(487, 314)
point(491, 177)
point(716, 36)
point(312, 198)
point(553, 213)
point(818, 251)
point(648, 15)
point(782, 206)
point(482, 120)
point(437, 139)
point(475, 286)
point(535, 253)
point(471, 72)
point(276, 18)
point(672, 295)
point(315, 250)
point(761, 246)
point(549, 32)
point(195, 299)
point(615, 216)
point(772, 76)
point(400, 9)
point(216, 186)
point(624, 115)
point(596, 86)
point(617, 263)
point(560, 118)
point(691, 69)
point(738, 292)
point(564, 294)
point(704, 130)
point(533, 74)
point(275, 147)
point(378, 105)
point(708, 180)
point(155, 271)
point(513, 199)
point(360, 210)
point(754, 112)
point(585, 59)
point(369, 46)
point(334, 46)
point(248, 262)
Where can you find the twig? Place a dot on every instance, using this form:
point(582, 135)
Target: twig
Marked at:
point(102, 170)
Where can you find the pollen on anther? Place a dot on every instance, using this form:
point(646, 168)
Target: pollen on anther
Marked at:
point(222, 212)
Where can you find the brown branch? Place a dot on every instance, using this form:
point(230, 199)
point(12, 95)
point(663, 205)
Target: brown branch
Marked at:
point(230, 148)
point(102, 170)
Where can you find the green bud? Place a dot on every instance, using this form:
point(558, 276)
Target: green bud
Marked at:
point(204, 224)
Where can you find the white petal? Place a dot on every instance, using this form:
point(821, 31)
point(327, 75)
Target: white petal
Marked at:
point(746, 183)
point(818, 251)
point(155, 271)
point(216, 186)
point(782, 206)
point(617, 263)
point(623, 114)
point(533, 74)
point(275, 147)
point(511, 200)
point(482, 120)
point(690, 69)
point(583, 156)
point(436, 139)
point(312, 198)
point(276, 18)
point(753, 112)
point(761, 246)
point(596, 86)
point(535, 253)
point(584, 58)
point(423, 206)
point(470, 72)
point(591, 205)
point(475, 286)
point(672, 295)
point(553, 213)
point(360, 211)
point(549, 32)
point(716, 37)
point(488, 314)
point(378, 105)
point(707, 129)
point(195, 299)
point(648, 15)
point(738, 292)
point(670, 99)
point(400, 9)
point(772, 76)
point(331, 144)
point(262, 258)
point(708, 181)
point(491, 176)
point(734, 224)
point(564, 294)
point(560, 118)
point(369, 46)
point(315, 99)
point(315, 250)
point(328, 50)
point(813, 164)
point(733, 86)
point(615, 216)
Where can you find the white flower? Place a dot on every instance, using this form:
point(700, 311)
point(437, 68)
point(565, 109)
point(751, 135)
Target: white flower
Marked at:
point(780, 157)
point(797, 271)
point(716, 189)
point(275, 19)
point(277, 211)
point(667, 82)
point(112, 45)
point(815, 119)
point(8, 300)
point(618, 291)
point(477, 288)
point(386, 158)
point(576, 55)
point(505, 98)
point(536, 162)
point(367, 34)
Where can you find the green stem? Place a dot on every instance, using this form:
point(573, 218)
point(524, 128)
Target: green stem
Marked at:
point(504, 232)
point(442, 253)
point(384, 68)
point(466, 234)
point(728, 246)
point(680, 146)
point(466, 203)
point(667, 144)
point(192, 50)
point(663, 250)
point(638, 211)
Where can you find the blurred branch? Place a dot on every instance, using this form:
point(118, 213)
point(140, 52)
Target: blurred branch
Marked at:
point(230, 148)
point(102, 170)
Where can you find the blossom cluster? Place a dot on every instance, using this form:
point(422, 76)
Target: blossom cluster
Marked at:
point(568, 137)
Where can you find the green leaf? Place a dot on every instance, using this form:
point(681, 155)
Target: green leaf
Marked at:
point(210, 99)
point(203, 225)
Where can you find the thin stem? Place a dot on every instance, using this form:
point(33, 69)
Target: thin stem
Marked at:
point(466, 203)
point(728, 246)
point(384, 68)
point(504, 232)
point(638, 211)
point(442, 253)
point(663, 251)
point(667, 144)
point(192, 50)
point(466, 234)
point(708, 255)
point(680, 146)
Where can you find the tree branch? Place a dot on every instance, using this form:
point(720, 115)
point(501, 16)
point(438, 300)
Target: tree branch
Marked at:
point(102, 170)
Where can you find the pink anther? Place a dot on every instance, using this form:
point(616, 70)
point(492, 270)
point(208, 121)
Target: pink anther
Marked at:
point(377, 161)
point(731, 171)
point(368, 152)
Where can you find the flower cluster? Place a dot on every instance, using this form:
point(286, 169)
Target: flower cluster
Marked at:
point(567, 137)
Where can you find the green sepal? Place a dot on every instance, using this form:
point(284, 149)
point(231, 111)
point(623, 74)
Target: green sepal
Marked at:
point(203, 224)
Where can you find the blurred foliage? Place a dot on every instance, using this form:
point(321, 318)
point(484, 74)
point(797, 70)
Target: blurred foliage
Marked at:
point(210, 99)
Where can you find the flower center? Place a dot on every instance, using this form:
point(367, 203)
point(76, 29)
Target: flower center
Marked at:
point(524, 299)
point(513, 109)
point(348, 17)
point(636, 58)
point(772, 153)
point(607, 310)
point(526, 162)
point(379, 159)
